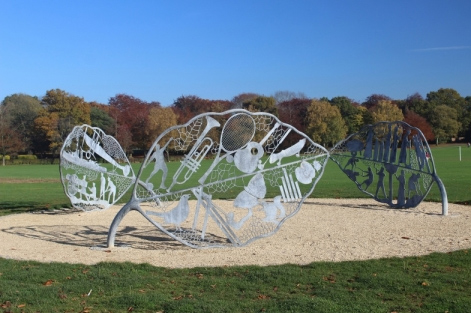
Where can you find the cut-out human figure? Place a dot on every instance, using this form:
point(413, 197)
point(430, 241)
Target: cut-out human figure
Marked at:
point(111, 188)
point(102, 186)
point(352, 161)
point(393, 155)
point(413, 184)
point(82, 186)
point(380, 185)
point(351, 174)
point(419, 150)
point(369, 180)
point(404, 147)
point(159, 164)
point(92, 194)
point(401, 199)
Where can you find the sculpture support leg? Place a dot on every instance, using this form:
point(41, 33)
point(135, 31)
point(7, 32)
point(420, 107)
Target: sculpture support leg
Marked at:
point(131, 205)
point(443, 194)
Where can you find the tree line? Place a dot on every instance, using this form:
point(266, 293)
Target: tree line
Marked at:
point(39, 126)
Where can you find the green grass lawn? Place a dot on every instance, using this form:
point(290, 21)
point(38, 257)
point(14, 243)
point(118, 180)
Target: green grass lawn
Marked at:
point(433, 283)
point(439, 282)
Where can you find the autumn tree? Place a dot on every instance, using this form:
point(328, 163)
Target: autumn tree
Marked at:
point(293, 112)
point(350, 112)
point(415, 120)
point(49, 131)
point(67, 106)
point(186, 107)
point(219, 105)
point(385, 110)
point(325, 124)
point(10, 137)
point(131, 115)
point(61, 112)
point(160, 119)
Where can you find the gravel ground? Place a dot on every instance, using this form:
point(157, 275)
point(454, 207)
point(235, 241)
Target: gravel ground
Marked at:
point(323, 230)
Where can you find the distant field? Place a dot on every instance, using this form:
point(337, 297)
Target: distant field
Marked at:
point(33, 187)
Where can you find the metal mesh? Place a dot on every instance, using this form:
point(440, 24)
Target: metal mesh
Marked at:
point(237, 132)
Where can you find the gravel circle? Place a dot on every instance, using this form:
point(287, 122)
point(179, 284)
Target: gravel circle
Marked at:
point(323, 230)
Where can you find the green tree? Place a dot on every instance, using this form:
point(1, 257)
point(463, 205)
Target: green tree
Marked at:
point(418, 105)
point(22, 110)
point(467, 123)
point(261, 104)
point(350, 112)
point(452, 99)
point(445, 123)
point(101, 119)
point(325, 124)
point(446, 96)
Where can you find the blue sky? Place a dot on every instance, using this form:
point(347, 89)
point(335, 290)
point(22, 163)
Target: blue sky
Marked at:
point(160, 50)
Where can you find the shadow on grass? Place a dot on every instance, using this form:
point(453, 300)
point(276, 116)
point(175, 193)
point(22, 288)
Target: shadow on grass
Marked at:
point(9, 207)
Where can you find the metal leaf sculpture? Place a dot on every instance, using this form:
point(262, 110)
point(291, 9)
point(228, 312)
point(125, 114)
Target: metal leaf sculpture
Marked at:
point(391, 162)
point(95, 171)
point(252, 155)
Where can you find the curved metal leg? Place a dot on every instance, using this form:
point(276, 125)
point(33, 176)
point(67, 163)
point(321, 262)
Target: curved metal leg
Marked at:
point(131, 205)
point(444, 195)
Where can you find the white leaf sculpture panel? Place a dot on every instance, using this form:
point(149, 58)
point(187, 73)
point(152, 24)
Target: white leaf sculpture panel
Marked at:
point(263, 167)
point(95, 171)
